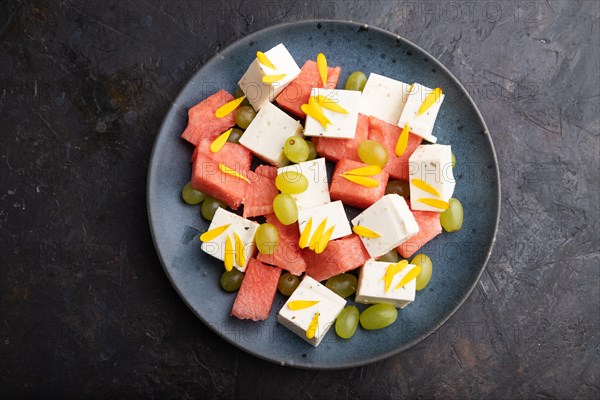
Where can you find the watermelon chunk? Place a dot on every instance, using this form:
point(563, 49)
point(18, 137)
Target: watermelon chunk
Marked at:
point(298, 92)
point(340, 256)
point(340, 149)
point(388, 134)
point(202, 122)
point(233, 155)
point(208, 178)
point(260, 195)
point(429, 227)
point(288, 255)
point(267, 171)
point(351, 193)
point(255, 297)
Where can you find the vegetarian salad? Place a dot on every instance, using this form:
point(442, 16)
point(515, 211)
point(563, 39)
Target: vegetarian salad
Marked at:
point(279, 223)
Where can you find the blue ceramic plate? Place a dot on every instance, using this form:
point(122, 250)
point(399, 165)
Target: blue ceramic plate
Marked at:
point(458, 258)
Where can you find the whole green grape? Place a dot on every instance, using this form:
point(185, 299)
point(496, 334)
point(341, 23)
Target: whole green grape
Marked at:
point(391, 257)
point(426, 269)
point(192, 196)
point(267, 238)
point(244, 115)
point(291, 182)
point(452, 218)
point(287, 284)
point(378, 316)
point(343, 285)
point(296, 150)
point(312, 150)
point(209, 207)
point(372, 153)
point(232, 280)
point(356, 81)
point(235, 135)
point(285, 209)
point(347, 322)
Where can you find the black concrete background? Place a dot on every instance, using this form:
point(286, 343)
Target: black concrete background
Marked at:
point(86, 309)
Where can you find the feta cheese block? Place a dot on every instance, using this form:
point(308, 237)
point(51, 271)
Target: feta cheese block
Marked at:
point(383, 98)
point(267, 133)
point(317, 192)
point(244, 228)
point(371, 285)
point(311, 304)
point(420, 125)
point(430, 176)
point(335, 214)
point(343, 126)
point(259, 93)
point(391, 219)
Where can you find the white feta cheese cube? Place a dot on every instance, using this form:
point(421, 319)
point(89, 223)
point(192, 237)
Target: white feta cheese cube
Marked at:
point(268, 132)
point(420, 125)
point(317, 192)
point(391, 219)
point(329, 305)
point(343, 126)
point(335, 214)
point(259, 93)
point(244, 228)
point(371, 285)
point(383, 98)
point(432, 164)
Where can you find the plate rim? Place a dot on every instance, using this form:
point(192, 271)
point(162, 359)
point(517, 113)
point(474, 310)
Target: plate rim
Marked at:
point(175, 105)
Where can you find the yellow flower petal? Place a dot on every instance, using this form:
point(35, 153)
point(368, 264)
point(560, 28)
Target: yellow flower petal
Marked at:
point(264, 60)
point(391, 271)
point(410, 275)
point(312, 328)
point(240, 253)
point(323, 241)
point(314, 110)
point(362, 180)
point(317, 235)
point(329, 104)
point(402, 141)
point(296, 305)
point(273, 78)
point(228, 254)
point(425, 187)
point(219, 142)
point(213, 233)
point(322, 64)
point(430, 100)
point(437, 203)
point(228, 108)
point(303, 242)
point(226, 170)
point(365, 232)
point(369, 170)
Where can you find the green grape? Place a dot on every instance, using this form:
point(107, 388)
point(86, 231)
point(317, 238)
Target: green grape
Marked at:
point(232, 280)
point(343, 285)
point(401, 188)
point(191, 196)
point(285, 208)
point(209, 207)
point(378, 316)
point(312, 150)
point(347, 322)
point(356, 81)
point(235, 135)
point(453, 159)
point(296, 150)
point(244, 116)
point(287, 284)
point(391, 257)
point(452, 218)
point(267, 238)
point(291, 182)
point(372, 153)
point(239, 93)
point(426, 268)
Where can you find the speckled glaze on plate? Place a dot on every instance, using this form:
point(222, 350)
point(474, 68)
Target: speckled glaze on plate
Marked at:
point(458, 258)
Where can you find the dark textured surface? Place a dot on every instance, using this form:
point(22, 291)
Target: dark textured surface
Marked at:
point(85, 306)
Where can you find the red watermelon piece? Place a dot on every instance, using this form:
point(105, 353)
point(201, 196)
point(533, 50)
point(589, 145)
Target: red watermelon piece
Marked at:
point(202, 122)
point(267, 171)
point(288, 255)
point(429, 227)
point(340, 149)
point(255, 297)
point(298, 92)
point(351, 193)
point(208, 178)
point(388, 134)
point(233, 155)
point(340, 256)
point(260, 195)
